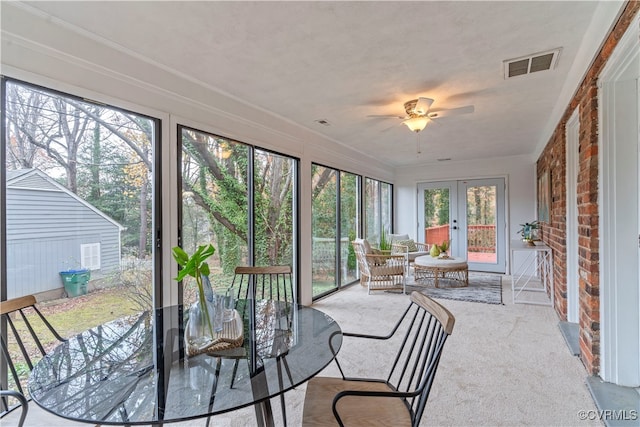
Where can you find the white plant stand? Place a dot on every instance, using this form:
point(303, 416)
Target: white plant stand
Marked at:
point(533, 274)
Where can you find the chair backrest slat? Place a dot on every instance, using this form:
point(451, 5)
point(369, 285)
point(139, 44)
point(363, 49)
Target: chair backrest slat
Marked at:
point(9, 306)
point(36, 340)
point(270, 269)
point(270, 282)
point(428, 324)
point(420, 363)
point(16, 339)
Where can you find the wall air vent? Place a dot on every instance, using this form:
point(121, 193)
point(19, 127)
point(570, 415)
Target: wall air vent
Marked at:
point(541, 61)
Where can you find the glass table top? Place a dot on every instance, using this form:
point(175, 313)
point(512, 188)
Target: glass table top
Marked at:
point(134, 370)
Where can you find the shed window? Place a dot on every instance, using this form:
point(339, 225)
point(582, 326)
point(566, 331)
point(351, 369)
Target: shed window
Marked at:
point(90, 255)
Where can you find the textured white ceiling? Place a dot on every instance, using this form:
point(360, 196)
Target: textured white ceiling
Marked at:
point(343, 61)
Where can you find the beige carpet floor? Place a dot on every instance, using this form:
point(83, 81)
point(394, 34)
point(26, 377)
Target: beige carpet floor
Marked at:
point(504, 365)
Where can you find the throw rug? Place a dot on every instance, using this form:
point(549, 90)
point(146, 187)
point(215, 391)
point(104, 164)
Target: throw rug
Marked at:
point(483, 287)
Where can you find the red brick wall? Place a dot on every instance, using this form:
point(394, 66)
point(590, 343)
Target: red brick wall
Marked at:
point(553, 158)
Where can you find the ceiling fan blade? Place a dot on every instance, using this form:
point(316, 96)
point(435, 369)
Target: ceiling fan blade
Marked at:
point(386, 116)
point(436, 114)
point(422, 106)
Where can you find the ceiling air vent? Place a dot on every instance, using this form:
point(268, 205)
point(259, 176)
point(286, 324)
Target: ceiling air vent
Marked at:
point(542, 61)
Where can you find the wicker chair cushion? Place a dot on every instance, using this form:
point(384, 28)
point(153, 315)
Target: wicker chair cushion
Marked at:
point(410, 244)
point(395, 237)
point(377, 261)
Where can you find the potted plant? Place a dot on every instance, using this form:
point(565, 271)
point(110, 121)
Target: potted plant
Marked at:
point(528, 232)
point(439, 250)
point(201, 328)
point(444, 247)
point(384, 245)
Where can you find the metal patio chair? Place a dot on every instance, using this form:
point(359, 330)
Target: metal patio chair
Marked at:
point(15, 340)
point(274, 284)
point(398, 400)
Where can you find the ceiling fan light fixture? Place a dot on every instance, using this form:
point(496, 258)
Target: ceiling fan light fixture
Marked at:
point(416, 124)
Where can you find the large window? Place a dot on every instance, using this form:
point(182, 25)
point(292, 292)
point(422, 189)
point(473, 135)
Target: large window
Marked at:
point(239, 198)
point(335, 223)
point(78, 176)
point(77, 199)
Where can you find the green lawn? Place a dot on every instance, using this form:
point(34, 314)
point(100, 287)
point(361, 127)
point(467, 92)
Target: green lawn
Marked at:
point(69, 316)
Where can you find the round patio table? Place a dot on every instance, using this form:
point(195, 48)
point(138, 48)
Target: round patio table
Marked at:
point(455, 268)
point(133, 371)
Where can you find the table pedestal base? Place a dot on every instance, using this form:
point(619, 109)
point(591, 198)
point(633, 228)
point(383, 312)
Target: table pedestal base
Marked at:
point(458, 274)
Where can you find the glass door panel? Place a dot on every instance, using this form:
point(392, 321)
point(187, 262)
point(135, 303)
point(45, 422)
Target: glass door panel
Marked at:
point(274, 178)
point(481, 236)
point(386, 204)
point(436, 221)
point(378, 203)
point(214, 180)
point(324, 216)
point(349, 220)
point(481, 224)
point(372, 218)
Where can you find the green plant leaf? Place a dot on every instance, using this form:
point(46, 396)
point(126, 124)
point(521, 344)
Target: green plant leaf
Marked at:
point(181, 275)
point(179, 255)
point(204, 269)
point(207, 251)
point(195, 264)
point(384, 244)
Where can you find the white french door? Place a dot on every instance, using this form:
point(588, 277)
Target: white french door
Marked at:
point(470, 214)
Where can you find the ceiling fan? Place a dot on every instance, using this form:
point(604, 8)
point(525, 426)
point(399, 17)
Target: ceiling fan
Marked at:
point(419, 113)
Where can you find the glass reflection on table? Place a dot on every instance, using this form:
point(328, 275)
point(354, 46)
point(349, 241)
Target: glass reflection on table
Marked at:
point(133, 370)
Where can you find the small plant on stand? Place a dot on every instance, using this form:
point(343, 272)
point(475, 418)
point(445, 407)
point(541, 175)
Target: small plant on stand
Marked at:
point(444, 247)
point(528, 232)
point(439, 250)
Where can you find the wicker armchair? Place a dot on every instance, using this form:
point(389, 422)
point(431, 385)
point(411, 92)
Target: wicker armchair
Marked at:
point(379, 271)
point(402, 244)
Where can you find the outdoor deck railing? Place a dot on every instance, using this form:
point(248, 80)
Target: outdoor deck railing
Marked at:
point(480, 238)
